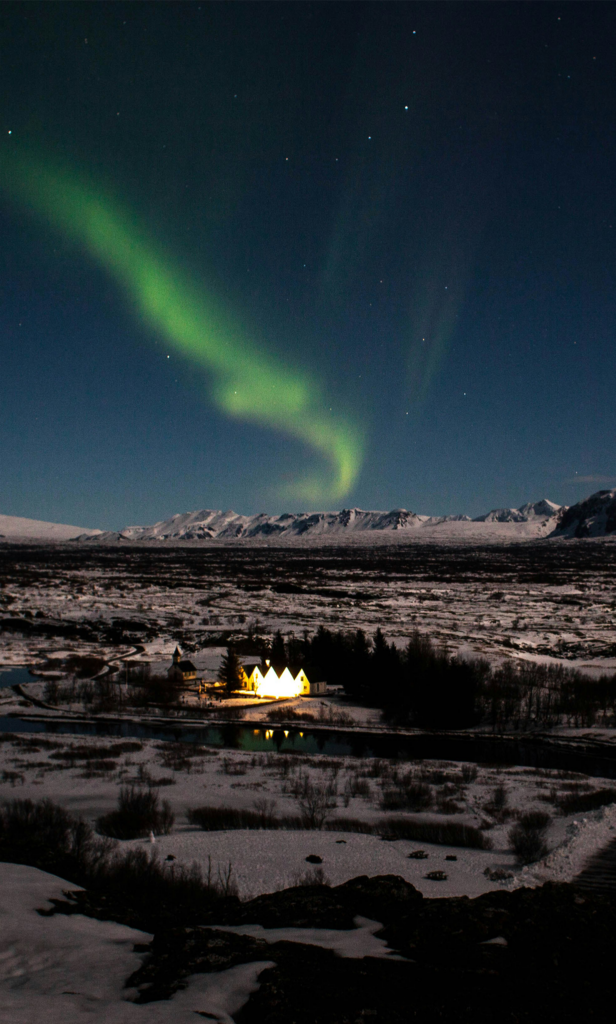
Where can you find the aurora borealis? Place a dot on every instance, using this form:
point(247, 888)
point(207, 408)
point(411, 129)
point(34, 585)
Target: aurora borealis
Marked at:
point(294, 257)
point(247, 383)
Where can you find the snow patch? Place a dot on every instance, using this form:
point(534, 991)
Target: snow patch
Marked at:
point(72, 969)
point(354, 943)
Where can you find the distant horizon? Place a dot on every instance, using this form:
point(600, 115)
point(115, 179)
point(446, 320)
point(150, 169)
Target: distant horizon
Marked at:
point(295, 512)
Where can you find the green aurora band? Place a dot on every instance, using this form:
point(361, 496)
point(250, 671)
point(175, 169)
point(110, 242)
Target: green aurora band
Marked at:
point(246, 382)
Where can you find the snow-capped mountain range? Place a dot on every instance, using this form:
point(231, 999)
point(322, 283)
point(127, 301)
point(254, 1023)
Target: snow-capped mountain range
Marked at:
point(593, 517)
point(212, 525)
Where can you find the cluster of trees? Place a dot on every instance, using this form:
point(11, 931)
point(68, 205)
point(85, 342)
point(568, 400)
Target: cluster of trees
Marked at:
point(520, 694)
point(419, 684)
point(425, 686)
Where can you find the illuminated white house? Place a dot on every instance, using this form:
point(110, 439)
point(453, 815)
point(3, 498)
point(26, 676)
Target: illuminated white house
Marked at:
point(265, 681)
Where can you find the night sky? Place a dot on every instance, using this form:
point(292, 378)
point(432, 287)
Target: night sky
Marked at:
point(300, 256)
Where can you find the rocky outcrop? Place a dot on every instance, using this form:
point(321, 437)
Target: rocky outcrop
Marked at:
point(544, 954)
point(593, 517)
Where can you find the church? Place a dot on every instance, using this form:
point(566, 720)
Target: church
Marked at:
point(182, 671)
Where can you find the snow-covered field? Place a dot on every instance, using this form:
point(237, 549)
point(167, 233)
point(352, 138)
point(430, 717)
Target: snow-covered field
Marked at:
point(538, 601)
point(34, 766)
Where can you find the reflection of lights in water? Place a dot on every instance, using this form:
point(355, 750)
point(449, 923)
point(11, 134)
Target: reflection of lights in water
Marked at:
point(269, 733)
point(256, 732)
point(301, 735)
point(286, 733)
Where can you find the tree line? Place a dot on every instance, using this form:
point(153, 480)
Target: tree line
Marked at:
point(426, 686)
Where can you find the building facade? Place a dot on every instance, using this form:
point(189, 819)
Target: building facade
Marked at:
point(266, 681)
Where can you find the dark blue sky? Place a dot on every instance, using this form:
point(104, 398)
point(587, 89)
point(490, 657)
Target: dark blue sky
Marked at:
point(414, 203)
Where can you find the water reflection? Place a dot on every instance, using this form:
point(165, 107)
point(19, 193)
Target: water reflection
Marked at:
point(340, 743)
point(15, 676)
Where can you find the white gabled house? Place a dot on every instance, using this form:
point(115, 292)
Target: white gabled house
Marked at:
point(265, 681)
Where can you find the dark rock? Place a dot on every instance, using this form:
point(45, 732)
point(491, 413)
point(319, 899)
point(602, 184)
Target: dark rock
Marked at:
point(383, 898)
point(178, 952)
point(303, 906)
point(556, 968)
point(313, 858)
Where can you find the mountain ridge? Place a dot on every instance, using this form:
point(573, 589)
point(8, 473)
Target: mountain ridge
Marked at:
point(591, 517)
point(211, 524)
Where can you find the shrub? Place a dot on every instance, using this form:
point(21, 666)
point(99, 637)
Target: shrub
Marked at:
point(230, 767)
point(46, 836)
point(412, 796)
point(534, 821)
point(41, 825)
point(443, 833)
point(289, 715)
point(311, 876)
point(81, 752)
point(499, 797)
point(265, 809)
point(528, 846)
point(527, 838)
point(577, 803)
point(497, 804)
point(177, 756)
point(315, 803)
point(51, 693)
point(148, 779)
point(139, 812)
point(231, 712)
point(350, 825)
point(13, 778)
point(357, 787)
point(549, 796)
point(220, 819)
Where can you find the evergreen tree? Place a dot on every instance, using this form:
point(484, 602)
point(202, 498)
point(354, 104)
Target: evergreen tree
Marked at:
point(278, 655)
point(357, 681)
point(230, 672)
point(382, 662)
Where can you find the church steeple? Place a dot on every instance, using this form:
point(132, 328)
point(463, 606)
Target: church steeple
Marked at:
point(177, 657)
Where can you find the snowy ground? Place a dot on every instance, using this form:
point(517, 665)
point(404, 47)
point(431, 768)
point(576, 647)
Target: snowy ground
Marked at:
point(267, 861)
point(72, 970)
point(35, 766)
point(524, 602)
